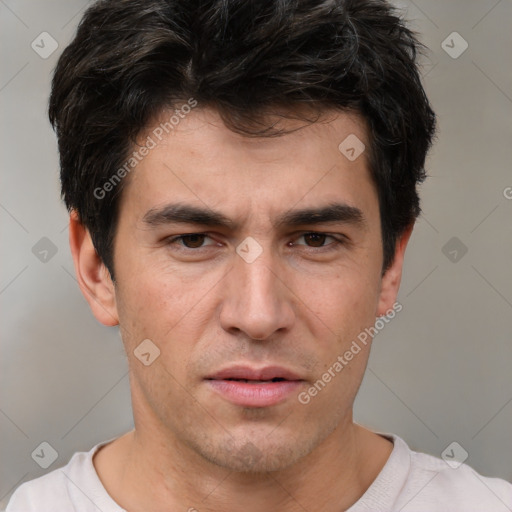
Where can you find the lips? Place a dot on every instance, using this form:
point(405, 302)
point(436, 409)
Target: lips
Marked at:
point(250, 387)
point(245, 373)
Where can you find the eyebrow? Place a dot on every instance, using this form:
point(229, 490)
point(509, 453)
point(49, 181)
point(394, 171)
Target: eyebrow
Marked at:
point(187, 214)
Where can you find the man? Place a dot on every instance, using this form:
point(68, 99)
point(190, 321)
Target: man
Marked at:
point(241, 178)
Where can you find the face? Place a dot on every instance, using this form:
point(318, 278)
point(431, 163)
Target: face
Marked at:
point(249, 259)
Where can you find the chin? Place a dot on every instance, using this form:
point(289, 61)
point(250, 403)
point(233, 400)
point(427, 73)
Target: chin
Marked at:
point(249, 458)
point(256, 453)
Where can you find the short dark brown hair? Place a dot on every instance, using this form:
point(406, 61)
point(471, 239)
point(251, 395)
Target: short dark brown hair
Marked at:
point(131, 59)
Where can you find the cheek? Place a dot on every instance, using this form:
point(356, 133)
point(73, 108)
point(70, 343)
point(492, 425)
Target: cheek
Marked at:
point(348, 310)
point(169, 311)
point(345, 302)
point(145, 310)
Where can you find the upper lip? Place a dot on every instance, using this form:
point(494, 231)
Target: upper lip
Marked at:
point(248, 373)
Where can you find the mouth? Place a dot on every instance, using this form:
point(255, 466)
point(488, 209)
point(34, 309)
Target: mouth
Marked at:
point(250, 387)
point(250, 381)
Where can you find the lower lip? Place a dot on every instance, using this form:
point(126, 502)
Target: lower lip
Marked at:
point(255, 395)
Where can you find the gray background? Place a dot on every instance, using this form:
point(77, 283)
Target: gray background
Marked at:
point(440, 372)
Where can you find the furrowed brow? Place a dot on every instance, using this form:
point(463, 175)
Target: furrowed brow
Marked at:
point(187, 214)
point(332, 213)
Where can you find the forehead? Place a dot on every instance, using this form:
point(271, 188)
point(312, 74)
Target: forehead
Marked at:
point(204, 127)
point(201, 161)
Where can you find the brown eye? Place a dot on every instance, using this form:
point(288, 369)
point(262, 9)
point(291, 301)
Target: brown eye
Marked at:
point(315, 239)
point(193, 246)
point(193, 241)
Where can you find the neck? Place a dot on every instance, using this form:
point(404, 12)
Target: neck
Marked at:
point(148, 470)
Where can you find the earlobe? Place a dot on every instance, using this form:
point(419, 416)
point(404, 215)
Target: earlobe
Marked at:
point(92, 275)
point(391, 280)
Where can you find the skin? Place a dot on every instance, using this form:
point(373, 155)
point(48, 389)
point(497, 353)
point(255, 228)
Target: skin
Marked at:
point(298, 305)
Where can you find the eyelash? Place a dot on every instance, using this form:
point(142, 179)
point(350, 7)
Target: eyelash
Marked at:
point(324, 248)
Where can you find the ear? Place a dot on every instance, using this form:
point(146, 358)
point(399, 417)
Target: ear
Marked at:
point(92, 275)
point(391, 280)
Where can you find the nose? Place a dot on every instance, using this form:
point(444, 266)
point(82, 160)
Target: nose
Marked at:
point(256, 301)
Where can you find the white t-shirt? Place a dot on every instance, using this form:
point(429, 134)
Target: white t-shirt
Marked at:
point(409, 482)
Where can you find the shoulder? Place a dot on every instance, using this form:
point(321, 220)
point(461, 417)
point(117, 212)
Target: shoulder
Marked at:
point(42, 494)
point(64, 488)
point(433, 484)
